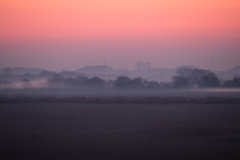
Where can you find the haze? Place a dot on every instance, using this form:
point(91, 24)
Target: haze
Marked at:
point(57, 35)
point(64, 92)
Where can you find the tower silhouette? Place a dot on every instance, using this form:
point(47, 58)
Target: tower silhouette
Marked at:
point(211, 63)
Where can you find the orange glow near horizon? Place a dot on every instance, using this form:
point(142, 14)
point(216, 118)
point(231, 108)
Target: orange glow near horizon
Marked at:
point(24, 21)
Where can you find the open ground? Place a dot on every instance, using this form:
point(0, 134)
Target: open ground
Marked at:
point(64, 130)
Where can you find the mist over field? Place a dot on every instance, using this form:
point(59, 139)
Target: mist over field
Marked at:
point(184, 82)
point(119, 79)
point(144, 77)
point(96, 112)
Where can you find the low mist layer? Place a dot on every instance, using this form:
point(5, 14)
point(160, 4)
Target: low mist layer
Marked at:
point(183, 78)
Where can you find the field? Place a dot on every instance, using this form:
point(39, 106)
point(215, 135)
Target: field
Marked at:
point(64, 130)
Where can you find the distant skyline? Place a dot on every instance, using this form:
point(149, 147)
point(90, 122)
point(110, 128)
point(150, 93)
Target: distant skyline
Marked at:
point(60, 34)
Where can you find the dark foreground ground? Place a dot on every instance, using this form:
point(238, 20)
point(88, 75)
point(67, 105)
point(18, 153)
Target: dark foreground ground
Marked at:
point(51, 130)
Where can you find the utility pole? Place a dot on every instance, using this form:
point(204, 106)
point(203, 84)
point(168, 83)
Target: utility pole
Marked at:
point(211, 63)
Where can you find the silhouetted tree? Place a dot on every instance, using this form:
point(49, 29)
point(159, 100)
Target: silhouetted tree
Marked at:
point(165, 85)
point(209, 80)
point(235, 82)
point(187, 77)
point(122, 82)
point(56, 80)
point(95, 82)
point(46, 73)
point(70, 82)
point(136, 83)
point(81, 80)
point(181, 82)
point(152, 85)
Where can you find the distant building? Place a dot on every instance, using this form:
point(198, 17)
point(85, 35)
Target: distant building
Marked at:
point(143, 65)
point(8, 71)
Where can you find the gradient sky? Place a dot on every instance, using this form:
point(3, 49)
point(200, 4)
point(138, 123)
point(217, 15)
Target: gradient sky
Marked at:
point(57, 34)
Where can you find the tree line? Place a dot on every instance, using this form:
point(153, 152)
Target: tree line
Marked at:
point(184, 78)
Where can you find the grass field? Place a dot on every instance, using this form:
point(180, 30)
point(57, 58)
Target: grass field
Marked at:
point(64, 130)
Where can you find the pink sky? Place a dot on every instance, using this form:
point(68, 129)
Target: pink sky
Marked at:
point(153, 30)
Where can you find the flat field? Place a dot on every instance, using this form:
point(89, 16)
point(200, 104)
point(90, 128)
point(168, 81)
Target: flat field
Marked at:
point(64, 130)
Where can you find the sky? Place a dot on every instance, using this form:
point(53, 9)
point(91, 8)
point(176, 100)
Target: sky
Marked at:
point(61, 34)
